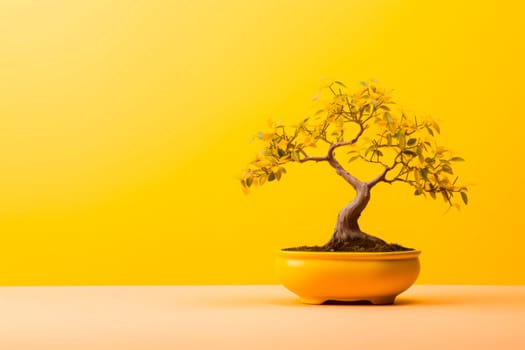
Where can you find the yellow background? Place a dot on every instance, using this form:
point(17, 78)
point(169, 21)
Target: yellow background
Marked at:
point(124, 124)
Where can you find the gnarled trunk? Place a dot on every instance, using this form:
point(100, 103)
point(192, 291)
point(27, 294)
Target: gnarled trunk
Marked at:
point(347, 227)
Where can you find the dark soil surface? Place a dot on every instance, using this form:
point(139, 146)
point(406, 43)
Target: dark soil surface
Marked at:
point(354, 245)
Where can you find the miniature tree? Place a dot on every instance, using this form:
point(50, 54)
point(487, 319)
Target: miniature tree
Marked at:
point(363, 127)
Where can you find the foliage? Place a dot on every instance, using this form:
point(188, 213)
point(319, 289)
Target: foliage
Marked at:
point(372, 129)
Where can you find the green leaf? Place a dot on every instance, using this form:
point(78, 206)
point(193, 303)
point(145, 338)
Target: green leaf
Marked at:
point(417, 192)
point(445, 196)
point(410, 153)
point(411, 142)
point(401, 138)
point(424, 173)
point(271, 177)
point(417, 175)
point(420, 153)
point(339, 83)
point(447, 169)
point(430, 131)
point(464, 197)
point(457, 159)
point(388, 117)
point(436, 127)
point(249, 181)
point(353, 158)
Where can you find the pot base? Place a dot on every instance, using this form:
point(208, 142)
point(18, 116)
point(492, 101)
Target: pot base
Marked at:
point(387, 300)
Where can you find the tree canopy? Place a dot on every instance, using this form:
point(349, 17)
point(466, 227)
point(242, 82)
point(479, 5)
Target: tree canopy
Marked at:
point(361, 126)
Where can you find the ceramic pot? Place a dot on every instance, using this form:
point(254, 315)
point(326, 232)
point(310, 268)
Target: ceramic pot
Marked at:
point(317, 277)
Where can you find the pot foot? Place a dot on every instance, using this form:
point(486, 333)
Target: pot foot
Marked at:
point(387, 300)
point(312, 301)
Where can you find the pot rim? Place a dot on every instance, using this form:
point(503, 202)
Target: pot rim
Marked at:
point(293, 254)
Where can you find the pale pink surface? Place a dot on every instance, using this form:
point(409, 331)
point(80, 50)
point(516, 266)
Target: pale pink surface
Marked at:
point(257, 317)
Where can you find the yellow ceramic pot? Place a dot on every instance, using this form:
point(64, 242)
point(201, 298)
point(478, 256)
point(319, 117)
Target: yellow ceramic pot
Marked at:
point(317, 277)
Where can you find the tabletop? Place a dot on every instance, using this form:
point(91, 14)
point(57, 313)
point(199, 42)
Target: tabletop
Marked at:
point(257, 317)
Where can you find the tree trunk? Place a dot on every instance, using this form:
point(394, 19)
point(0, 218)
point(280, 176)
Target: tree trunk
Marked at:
point(347, 227)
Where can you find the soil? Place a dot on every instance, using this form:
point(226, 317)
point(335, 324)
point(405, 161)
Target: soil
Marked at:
point(355, 245)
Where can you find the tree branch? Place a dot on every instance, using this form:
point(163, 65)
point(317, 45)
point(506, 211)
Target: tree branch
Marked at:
point(376, 162)
point(346, 143)
point(352, 180)
point(314, 159)
point(380, 177)
point(330, 158)
point(410, 182)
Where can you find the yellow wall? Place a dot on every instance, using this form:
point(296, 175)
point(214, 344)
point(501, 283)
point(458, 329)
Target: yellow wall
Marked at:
point(123, 126)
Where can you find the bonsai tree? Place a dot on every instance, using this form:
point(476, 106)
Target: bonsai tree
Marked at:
point(353, 129)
